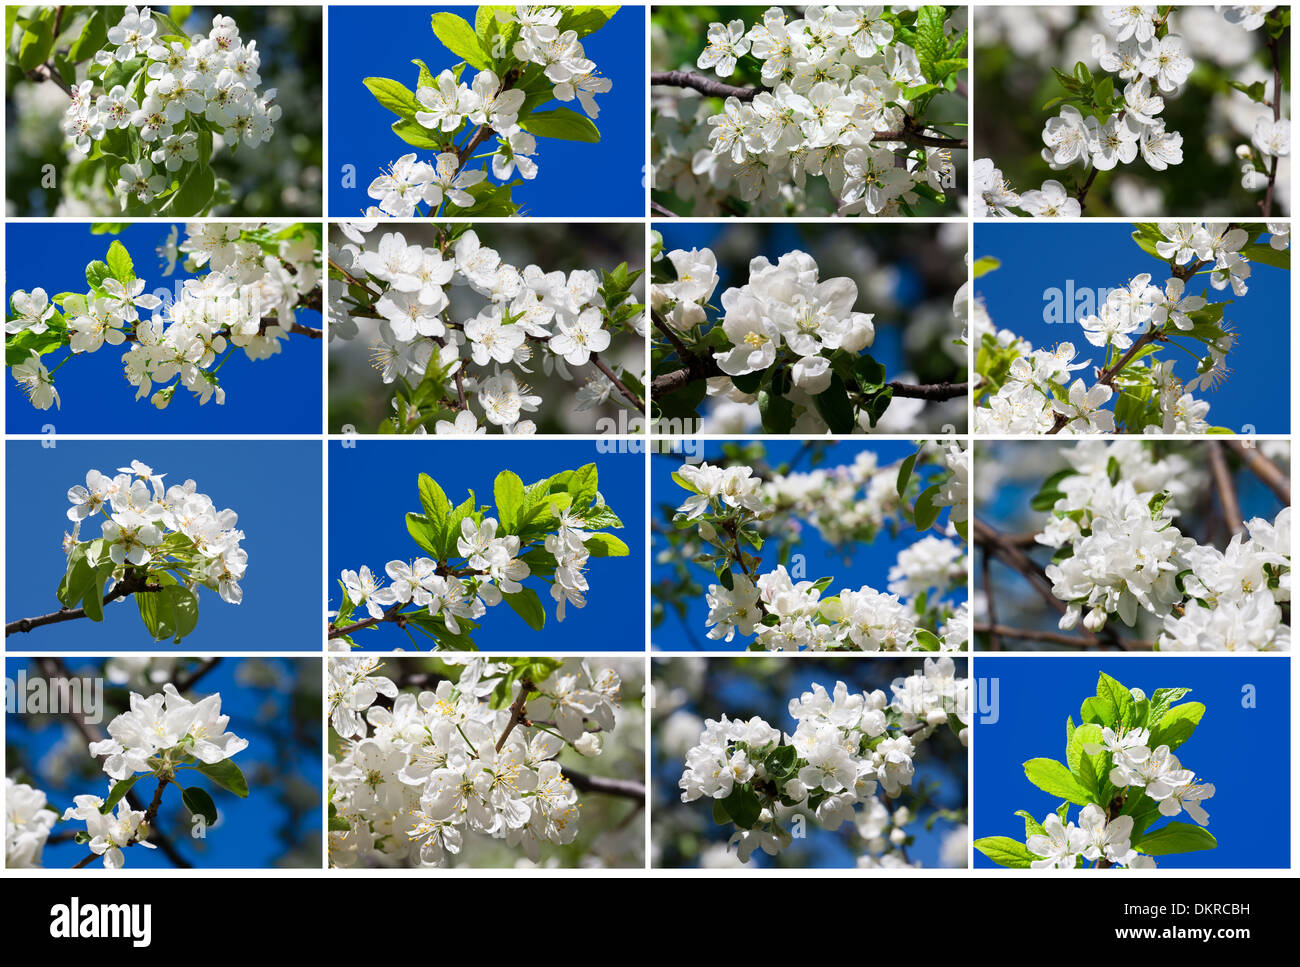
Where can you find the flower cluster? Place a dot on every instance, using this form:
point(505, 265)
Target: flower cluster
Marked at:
point(166, 533)
point(848, 752)
point(1122, 771)
point(842, 92)
point(412, 780)
point(731, 506)
point(1115, 511)
point(28, 820)
point(257, 276)
point(1024, 390)
point(163, 96)
point(159, 736)
point(783, 310)
point(567, 321)
point(556, 67)
point(553, 534)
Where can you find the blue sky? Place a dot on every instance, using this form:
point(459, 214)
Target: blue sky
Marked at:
point(277, 395)
point(1244, 752)
point(573, 178)
point(374, 485)
point(742, 696)
point(777, 239)
point(246, 834)
point(275, 488)
point(869, 566)
point(1036, 257)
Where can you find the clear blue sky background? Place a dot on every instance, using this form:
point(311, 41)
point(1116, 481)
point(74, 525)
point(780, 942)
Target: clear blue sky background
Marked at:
point(573, 178)
point(1244, 752)
point(374, 485)
point(1036, 257)
point(246, 833)
point(277, 395)
point(776, 240)
point(742, 697)
point(869, 566)
point(275, 488)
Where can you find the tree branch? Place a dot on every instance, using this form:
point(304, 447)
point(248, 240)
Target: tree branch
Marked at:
point(1263, 468)
point(618, 383)
point(516, 711)
point(46, 72)
point(389, 615)
point(1225, 488)
point(910, 133)
point(1050, 637)
point(127, 586)
point(55, 668)
point(1011, 555)
point(1266, 203)
point(628, 788)
point(705, 85)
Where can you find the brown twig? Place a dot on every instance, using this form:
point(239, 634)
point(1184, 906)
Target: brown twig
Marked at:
point(1263, 468)
point(910, 133)
point(516, 711)
point(1229, 506)
point(628, 788)
point(618, 383)
point(127, 586)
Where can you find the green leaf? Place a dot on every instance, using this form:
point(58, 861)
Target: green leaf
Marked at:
point(197, 184)
point(34, 47)
point(585, 20)
point(561, 124)
point(1005, 851)
point(1055, 779)
point(96, 273)
point(834, 407)
point(1161, 700)
point(774, 410)
point(393, 95)
point(743, 807)
point(1175, 838)
point(1049, 493)
point(508, 490)
point(924, 512)
point(172, 612)
point(905, 472)
point(1177, 725)
point(528, 606)
point(458, 37)
point(1032, 826)
point(780, 762)
point(93, 37)
point(437, 510)
point(227, 775)
point(606, 545)
point(927, 640)
point(120, 789)
point(425, 77)
point(94, 599)
point(199, 803)
point(984, 265)
point(119, 262)
point(1268, 255)
point(78, 579)
point(416, 134)
point(425, 534)
point(1109, 690)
